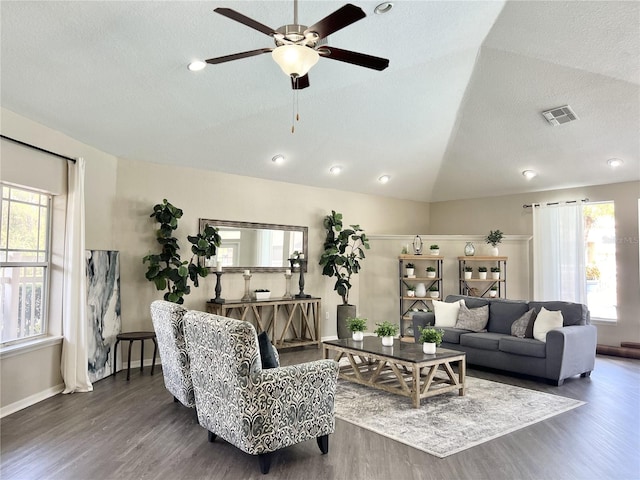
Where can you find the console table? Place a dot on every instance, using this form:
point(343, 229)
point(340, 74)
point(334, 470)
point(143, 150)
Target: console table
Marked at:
point(289, 322)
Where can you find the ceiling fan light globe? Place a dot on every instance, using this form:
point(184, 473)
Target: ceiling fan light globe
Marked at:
point(295, 60)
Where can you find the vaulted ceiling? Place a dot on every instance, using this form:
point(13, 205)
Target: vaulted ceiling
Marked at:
point(457, 114)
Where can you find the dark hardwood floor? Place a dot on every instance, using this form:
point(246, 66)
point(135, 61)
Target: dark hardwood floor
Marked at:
point(134, 430)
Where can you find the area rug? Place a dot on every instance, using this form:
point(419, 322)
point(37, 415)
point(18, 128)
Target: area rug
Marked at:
point(446, 424)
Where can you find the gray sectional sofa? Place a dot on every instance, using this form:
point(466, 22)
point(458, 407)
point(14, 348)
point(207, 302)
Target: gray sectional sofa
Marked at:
point(568, 351)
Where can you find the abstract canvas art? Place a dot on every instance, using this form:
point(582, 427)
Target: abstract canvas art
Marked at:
point(103, 310)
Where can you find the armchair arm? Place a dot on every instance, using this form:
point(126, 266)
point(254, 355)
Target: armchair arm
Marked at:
point(288, 405)
point(571, 351)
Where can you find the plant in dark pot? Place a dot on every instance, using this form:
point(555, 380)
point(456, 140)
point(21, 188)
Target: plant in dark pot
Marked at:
point(342, 252)
point(166, 269)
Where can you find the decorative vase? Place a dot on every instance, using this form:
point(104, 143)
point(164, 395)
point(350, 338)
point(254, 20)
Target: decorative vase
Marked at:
point(387, 341)
point(467, 275)
point(344, 312)
point(469, 249)
point(357, 336)
point(431, 274)
point(482, 275)
point(494, 251)
point(429, 348)
point(434, 294)
point(421, 290)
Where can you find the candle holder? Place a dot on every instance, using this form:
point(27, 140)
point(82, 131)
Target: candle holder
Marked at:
point(218, 288)
point(287, 277)
point(247, 290)
point(300, 263)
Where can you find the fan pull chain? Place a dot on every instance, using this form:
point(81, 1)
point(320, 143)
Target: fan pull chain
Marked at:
point(295, 111)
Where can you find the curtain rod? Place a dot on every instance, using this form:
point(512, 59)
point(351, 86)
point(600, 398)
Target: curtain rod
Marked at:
point(38, 148)
point(555, 203)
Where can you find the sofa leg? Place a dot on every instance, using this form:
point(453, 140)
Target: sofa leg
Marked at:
point(586, 374)
point(323, 443)
point(264, 459)
point(212, 437)
point(559, 382)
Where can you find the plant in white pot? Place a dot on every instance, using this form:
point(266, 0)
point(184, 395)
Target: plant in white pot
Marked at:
point(495, 273)
point(431, 272)
point(494, 238)
point(411, 268)
point(482, 273)
point(468, 271)
point(434, 291)
point(357, 326)
point(343, 250)
point(493, 291)
point(430, 338)
point(386, 331)
point(411, 290)
point(434, 250)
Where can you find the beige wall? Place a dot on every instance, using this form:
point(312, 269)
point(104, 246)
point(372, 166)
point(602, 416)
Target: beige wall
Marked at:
point(478, 216)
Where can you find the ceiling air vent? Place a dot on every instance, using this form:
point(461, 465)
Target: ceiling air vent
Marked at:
point(559, 115)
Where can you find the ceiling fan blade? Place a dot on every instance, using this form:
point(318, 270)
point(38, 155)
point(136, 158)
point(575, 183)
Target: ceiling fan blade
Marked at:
point(361, 59)
point(249, 22)
point(300, 82)
point(333, 22)
point(238, 56)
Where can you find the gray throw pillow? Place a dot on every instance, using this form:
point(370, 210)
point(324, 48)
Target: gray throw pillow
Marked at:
point(519, 327)
point(474, 319)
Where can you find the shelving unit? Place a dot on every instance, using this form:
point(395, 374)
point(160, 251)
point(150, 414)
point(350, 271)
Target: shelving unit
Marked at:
point(407, 304)
point(480, 287)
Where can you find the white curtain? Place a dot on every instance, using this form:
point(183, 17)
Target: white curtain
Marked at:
point(558, 253)
point(74, 367)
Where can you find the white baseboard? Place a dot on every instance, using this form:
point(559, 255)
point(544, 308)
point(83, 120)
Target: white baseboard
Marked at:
point(31, 400)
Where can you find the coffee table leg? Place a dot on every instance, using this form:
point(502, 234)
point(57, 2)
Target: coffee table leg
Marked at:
point(462, 372)
point(416, 387)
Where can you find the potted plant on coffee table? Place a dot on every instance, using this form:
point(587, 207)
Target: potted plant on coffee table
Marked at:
point(430, 338)
point(386, 331)
point(357, 326)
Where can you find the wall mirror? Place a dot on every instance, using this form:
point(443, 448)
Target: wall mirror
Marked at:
point(259, 247)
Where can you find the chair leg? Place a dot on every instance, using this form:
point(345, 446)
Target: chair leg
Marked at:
point(586, 374)
point(264, 459)
point(212, 437)
point(323, 443)
point(175, 400)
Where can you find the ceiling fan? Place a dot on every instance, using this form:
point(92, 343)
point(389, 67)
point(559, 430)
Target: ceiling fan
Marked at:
point(299, 47)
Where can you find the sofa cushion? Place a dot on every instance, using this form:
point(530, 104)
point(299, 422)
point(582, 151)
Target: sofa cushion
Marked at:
point(523, 346)
point(266, 351)
point(474, 319)
point(519, 327)
point(572, 313)
point(446, 313)
point(483, 341)
point(502, 313)
point(545, 321)
point(529, 332)
point(471, 302)
point(452, 335)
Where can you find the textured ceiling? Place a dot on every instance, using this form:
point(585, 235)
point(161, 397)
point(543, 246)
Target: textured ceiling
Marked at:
point(456, 115)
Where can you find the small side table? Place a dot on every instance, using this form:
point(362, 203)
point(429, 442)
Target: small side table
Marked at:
point(132, 337)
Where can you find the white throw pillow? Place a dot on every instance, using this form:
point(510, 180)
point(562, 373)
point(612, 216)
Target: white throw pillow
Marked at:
point(545, 321)
point(446, 313)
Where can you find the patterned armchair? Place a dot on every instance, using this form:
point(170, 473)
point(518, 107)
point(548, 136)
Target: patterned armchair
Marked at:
point(259, 411)
point(168, 321)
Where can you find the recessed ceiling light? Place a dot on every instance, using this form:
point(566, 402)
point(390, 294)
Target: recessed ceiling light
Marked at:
point(384, 7)
point(196, 65)
point(336, 169)
point(615, 162)
point(529, 174)
point(384, 178)
point(278, 159)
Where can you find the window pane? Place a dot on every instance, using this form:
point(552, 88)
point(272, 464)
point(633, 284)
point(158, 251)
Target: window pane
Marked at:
point(23, 226)
point(600, 243)
point(21, 302)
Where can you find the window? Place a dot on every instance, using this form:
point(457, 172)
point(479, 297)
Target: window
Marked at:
point(25, 224)
point(600, 260)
